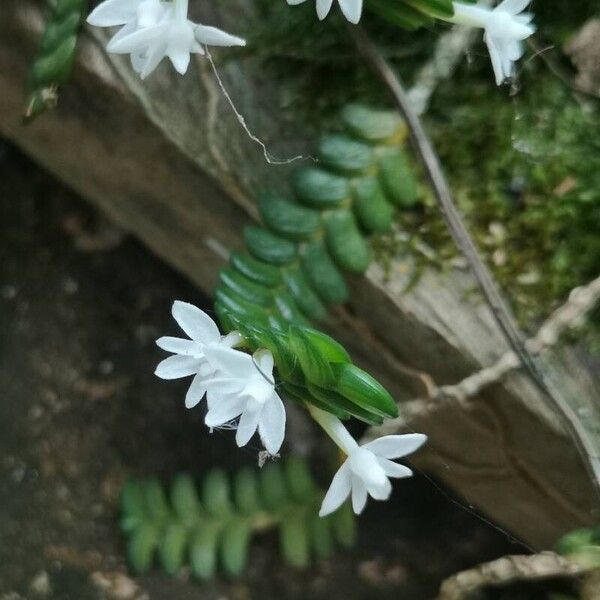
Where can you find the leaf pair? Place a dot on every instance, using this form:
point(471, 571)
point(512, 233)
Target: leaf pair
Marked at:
point(216, 526)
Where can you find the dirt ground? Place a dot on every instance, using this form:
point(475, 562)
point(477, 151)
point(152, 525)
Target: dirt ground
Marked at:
point(80, 307)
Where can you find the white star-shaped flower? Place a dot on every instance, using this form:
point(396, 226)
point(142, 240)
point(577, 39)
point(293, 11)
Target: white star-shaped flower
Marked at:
point(367, 469)
point(153, 30)
point(189, 354)
point(506, 26)
point(243, 387)
point(351, 9)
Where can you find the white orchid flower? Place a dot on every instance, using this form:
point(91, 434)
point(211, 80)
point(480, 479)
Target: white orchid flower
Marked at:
point(506, 26)
point(351, 9)
point(154, 30)
point(367, 469)
point(244, 387)
point(189, 354)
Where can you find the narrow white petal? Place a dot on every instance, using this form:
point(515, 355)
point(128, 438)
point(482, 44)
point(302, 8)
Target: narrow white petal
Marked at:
point(195, 322)
point(155, 54)
point(196, 391)
point(359, 495)
point(338, 491)
point(232, 339)
point(247, 427)
point(395, 446)
point(178, 366)
point(351, 9)
point(323, 8)
point(230, 361)
point(380, 492)
point(514, 7)
point(496, 60)
point(124, 31)
point(137, 41)
point(113, 12)
point(392, 469)
point(180, 59)
point(224, 411)
point(295, 2)
point(271, 425)
point(264, 361)
point(211, 36)
point(176, 345)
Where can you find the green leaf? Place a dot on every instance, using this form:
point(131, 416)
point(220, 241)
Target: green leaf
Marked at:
point(215, 493)
point(345, 243)
point(172, 548)
point(323, 275)
point(268, 247)
point(227, 300)
point(156, 501)
point(58, 30)
point(203, 553)
point(299, 479)
point(272, 486)
point(334, 400)
point(184, 499)
point(248, 290)
point(372, 209)
point(234, 546)
point(246, 493)
point(309, 303)
point(342, 153)
point(372, 125)
point(397, 178)
point(133, 502)
point(289, 219)
point(315, 367)
point(55, 67)
point(344, 525)
point(321, 537)
point(256, 270)
point(574, 541)
point(319, 188)
point(362, 389)
point(288, 308)
point(294, 540)
point(141, 546)
point(331, 350)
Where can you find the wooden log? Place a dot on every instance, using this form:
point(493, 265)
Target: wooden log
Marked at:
point(168, 162)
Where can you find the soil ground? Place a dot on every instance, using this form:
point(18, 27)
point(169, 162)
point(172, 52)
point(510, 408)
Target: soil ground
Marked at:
point(80, 307)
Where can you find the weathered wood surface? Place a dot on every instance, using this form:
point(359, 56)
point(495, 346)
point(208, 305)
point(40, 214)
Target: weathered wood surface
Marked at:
point(168, 162)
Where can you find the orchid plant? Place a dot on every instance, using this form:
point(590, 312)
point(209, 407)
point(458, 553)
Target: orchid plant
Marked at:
point(260, 359)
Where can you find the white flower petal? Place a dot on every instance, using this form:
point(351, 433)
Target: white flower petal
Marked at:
point(195, 322)
point(177, 345)
point(295, 2)
point(137, 41)
point(196, 391)
point(338, 491)
point(232, 339)
point(323, 8)
point(223, 412)
point(396, 446)
point(381, 491)
point(271, 425)
point(113, 12)
point(247, 427)
point(264, 362)
point(496, 60)
point(514, 7)
point(229, 361)
point(155, 54)
point(392, 469)
point(359, 495)
point(212, 36)
point(351, 9)
point(178, 366)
